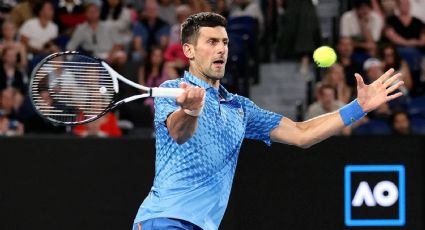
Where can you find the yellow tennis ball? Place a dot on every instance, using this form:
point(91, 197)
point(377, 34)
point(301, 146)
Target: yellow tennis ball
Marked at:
point(324, 56)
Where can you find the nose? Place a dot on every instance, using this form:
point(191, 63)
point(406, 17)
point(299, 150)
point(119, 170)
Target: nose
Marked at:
point(222, 48)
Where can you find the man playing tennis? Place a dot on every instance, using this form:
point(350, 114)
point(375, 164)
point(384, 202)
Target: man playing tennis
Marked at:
point(198, 135)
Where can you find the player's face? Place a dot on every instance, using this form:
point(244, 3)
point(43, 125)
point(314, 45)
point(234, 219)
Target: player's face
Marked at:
point(210, 52)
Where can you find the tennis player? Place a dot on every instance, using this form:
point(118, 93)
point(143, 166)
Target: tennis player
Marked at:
point(199, 134)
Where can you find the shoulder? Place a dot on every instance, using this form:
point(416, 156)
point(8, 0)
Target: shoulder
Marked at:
point(349, 15)
point(375, 16)
point(29, 23)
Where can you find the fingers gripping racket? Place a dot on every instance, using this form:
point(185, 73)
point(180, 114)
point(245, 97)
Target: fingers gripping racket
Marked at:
point(69, 88)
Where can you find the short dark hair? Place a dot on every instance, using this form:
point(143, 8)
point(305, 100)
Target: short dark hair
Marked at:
point(39, 6)
point(190, 27)
point(359, 3)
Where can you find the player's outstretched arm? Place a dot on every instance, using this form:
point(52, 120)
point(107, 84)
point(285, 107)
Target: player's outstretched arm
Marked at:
point(369, 97)
point(182, 123)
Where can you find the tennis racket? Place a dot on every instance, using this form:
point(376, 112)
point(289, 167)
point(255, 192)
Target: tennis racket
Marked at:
point(69, 88)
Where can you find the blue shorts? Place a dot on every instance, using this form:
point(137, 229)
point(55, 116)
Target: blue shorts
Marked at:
point(166, 224)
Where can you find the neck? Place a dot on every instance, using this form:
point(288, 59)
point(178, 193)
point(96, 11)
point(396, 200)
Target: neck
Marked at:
point(43, 22)
point(211, 81)
point(92, 24)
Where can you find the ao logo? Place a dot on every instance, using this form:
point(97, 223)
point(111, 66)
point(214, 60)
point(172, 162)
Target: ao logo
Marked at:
point(374, 195)
point(384, 194)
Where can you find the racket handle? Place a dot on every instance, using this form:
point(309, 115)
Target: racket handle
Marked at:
point(166, 92)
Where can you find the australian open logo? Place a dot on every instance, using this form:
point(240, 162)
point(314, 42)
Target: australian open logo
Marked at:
point(375, 195)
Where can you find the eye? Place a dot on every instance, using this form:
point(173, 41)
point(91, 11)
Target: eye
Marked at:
point(212, 41)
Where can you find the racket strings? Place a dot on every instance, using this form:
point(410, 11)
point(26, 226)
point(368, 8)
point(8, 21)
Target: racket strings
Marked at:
point(72, 90)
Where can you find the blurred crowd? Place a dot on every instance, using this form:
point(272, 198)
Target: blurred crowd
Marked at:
point(141, 40)
point(375, 36)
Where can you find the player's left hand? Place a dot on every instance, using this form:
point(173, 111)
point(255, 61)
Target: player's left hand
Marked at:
point(378, 92)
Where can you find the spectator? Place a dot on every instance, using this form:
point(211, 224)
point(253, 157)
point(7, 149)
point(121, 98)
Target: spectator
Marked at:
point(326, 101)
point(70, 13)
point(117, 17)
point(345, 49)
point(364, 26)
point(408, 34)
point(9, 40)
point(373, 69)
point(38, 33)
point(299, 32)
point(106, 126)
point(391, 59)
point(10, 101)
point(335, 77)
point(149, 31)
point(22, 12)
point(384, 8)
point(10, 75)
point(182, 12)
point(248, 8)
point(400, 123)
point(221, 8)
point(153, 73)
point(95, 38)
point(167, 11)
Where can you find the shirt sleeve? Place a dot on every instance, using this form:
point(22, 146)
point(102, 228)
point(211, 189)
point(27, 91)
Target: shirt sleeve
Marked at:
point(260, 122)
point(25, 29)
point(165, 106)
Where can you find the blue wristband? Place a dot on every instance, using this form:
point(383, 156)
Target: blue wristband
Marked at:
point(351, 113)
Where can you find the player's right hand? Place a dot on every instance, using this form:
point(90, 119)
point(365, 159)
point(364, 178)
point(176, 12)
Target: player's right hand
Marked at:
point(192, 98)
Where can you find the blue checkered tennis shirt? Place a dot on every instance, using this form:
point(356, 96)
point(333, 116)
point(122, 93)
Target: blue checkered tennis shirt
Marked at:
point(193, 180)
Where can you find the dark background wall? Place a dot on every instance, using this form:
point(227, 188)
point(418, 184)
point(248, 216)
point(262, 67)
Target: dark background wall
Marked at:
point(69, 183)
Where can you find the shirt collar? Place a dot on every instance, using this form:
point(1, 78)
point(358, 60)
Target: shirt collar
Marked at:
point(201, 83)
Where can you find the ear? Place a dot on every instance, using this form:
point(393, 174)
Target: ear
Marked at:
point(188, 51)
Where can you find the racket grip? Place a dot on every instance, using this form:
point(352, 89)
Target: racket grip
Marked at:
point(166, 92)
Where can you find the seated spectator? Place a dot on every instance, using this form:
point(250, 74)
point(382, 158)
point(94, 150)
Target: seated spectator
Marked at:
point(335, 77)
point(38, 33)
point(22, 12)
point(117, 17)
point(391, 59)
point(298, 33)
point(10, 75)
point(69, 14)
point(384, 8)
point(408, 34)
point(345, 49)
point(95, 38)
point(167, 11)
point(182, 12)
point(149, 31)
point(400, 123)
point(106, 126)
point(153, 73)
point(364, 26)
point(10, 101)
point(9, 40)
point(248, 8)
point(326, 101)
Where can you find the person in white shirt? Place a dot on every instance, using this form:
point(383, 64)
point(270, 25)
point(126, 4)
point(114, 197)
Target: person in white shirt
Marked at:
point(38, 33)
point(363, 25)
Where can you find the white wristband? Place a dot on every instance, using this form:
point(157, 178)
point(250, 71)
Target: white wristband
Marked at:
point(195, 112)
